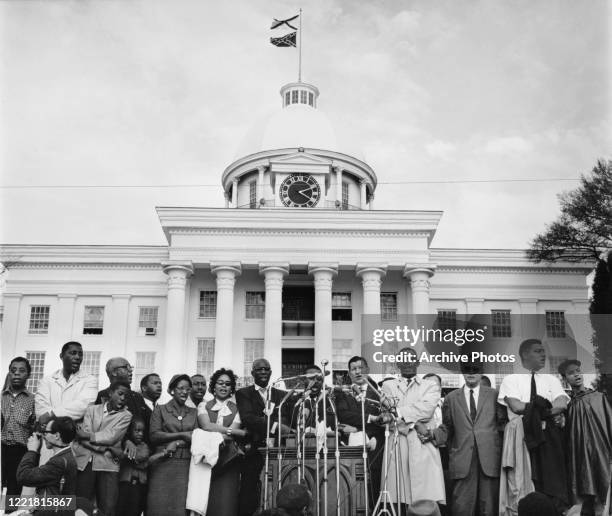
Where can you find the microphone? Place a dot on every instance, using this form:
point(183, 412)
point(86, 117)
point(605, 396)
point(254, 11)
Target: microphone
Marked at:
point(305, 375)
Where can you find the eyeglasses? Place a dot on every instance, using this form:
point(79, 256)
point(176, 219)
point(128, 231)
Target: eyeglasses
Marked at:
point(221, 383)
point(183, 389)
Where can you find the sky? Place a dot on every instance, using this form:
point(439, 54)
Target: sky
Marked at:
point(126, 96)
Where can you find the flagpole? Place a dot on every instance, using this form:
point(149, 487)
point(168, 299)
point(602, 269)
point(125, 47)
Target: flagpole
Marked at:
point(300, 58)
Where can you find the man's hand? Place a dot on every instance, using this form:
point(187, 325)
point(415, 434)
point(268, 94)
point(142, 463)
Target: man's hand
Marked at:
point(130, 450)
point(286, 429)
point(420, 428)
point(347, 429)
point(34, 443)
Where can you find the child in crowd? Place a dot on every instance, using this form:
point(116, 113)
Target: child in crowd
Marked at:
point(103, 428)
point(133, 472)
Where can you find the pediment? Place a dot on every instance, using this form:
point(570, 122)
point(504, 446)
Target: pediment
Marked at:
point(301, 158)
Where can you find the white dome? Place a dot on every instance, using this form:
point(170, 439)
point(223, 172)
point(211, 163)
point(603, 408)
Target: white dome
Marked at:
point(296, 125)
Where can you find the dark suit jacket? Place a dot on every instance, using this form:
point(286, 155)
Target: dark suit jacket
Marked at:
point(251, 409)
point(56, 477)
point(485, 432)
point(349, 411)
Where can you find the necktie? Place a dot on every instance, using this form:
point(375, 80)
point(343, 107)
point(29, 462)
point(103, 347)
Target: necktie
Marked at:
point(534, 391)
point(472, 405)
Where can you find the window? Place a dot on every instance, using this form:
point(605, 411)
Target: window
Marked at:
point(501, 371)
point(39, 319)
point(206, 357)
point(145, 364)
point(253, 194)
point(553, 367)
point(287, 98)
point(310, 99)
point(303, 97)
point(147, 320)
point(555, 325)
point(37, 361)
point(93, 322)
point(253, 349)
point(450, 381)
point(255, 305)
point(208, 304)
point(501, 326)
point(91, 363)
point(447, 319)
point(388, 306)
point(294, 96)
point(341, 306)
point(345, 196)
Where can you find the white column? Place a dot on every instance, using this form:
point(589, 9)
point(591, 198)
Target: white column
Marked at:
point(65, 318)
point(10, 326)
point(235, 193)
point(260, 183)
point(173, 353)
point(419, 275)
point(226, 279)
point(371, 201)
point(274, 274)
point(338, 171)
point(323, 278)
point(364, 196)
point(371, 279)
point(227, 200)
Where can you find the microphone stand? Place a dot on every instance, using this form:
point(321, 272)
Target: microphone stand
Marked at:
point(364, 452)
point(333, 407)
point(317, 458)
point(280, 434)
point(384, 497)
point(267, 461)
point(300, 415)
point(324, 363)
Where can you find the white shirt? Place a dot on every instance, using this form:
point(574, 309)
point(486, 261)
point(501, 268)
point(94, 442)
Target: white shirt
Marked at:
point(466, 393)
point(518, 386)
point(66, 398)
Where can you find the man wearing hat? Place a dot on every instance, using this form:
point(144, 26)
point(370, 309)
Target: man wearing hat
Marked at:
point(588, 428)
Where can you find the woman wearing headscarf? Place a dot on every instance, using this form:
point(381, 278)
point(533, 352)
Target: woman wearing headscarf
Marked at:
point(171, 423)
point(221, 415)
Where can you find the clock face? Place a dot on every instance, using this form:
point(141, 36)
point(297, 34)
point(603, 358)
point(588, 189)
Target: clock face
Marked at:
point(300, 191)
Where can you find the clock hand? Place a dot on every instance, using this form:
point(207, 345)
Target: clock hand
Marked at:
point(305, 190)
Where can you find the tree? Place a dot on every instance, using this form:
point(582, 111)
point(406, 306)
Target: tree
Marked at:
point(583, 231)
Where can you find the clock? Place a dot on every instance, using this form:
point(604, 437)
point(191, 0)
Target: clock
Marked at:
point(300, 191)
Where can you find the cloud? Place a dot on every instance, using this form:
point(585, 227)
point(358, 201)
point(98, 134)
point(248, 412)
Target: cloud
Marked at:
point(440, 149)
point(508, 145)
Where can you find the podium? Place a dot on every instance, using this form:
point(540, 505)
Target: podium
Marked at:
point(352, 490)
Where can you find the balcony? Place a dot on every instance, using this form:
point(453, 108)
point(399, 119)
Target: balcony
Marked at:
point(277, 204)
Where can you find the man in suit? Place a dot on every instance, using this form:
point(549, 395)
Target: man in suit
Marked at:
point(475, 424)
point(251, 403)
point(349, 413)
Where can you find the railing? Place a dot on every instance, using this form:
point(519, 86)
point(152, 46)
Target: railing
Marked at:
point(277, 204)
point(298, 328)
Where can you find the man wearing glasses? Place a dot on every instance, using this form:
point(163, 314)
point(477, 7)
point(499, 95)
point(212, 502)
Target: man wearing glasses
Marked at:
point(251, 403)
point(118, 369)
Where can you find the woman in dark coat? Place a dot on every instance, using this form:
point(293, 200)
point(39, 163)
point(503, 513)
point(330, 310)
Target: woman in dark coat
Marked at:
point(221, 415)
point(172, 422)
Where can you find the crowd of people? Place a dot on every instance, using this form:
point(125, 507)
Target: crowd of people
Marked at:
point(529, 448)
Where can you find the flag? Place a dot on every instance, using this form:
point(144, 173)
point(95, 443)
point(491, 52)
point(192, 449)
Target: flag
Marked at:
point(288, 40)
point(279, 23)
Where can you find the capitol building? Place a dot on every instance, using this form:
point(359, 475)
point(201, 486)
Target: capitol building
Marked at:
point(285, 270)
